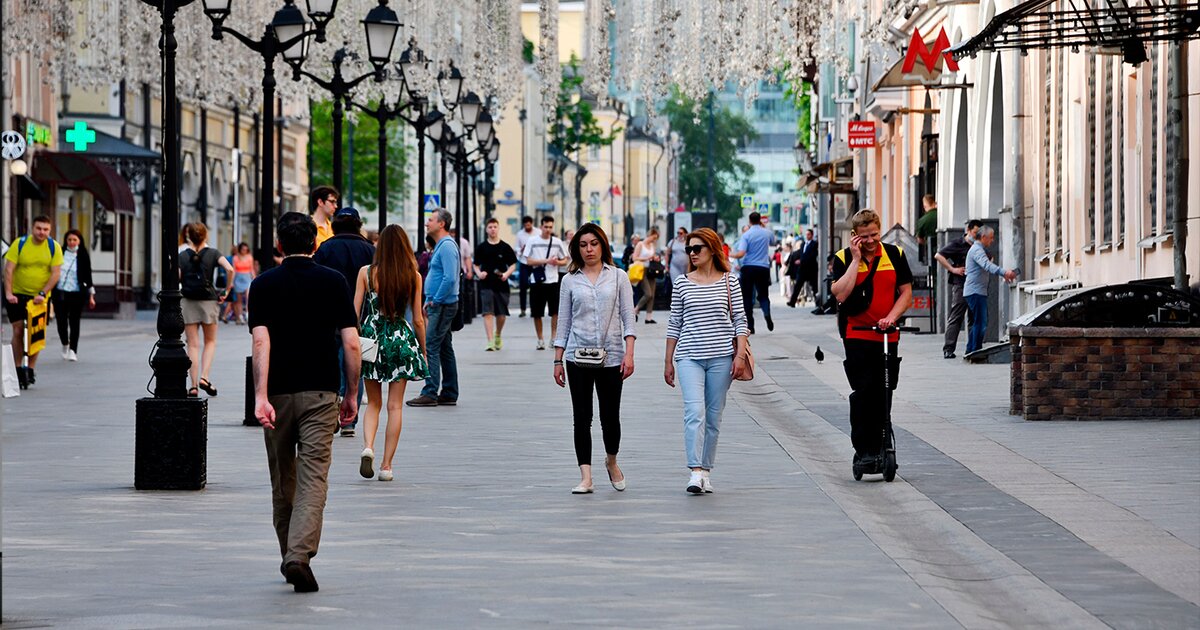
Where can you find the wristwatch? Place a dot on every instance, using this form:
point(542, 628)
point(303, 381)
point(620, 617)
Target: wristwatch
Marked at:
point(42, 293)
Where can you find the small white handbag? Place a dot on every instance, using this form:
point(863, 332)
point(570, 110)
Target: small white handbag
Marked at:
point(370, 349)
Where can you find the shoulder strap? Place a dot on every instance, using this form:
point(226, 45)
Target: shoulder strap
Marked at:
point(50, 242)
point(21, 244)
point(729, 294)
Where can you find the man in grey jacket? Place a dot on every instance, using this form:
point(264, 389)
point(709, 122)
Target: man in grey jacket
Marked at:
point(975, 288)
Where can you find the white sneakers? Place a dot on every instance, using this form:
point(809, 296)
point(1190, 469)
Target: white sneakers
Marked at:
point(699, 483)
point(66, 353)
point(385, 475)
point(366, 465)
point(71, 356)
point(541, 344)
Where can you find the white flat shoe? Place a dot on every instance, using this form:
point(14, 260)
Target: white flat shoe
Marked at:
point(385, 475)
point(619, 486)
point(366, 466)
point(582, 489)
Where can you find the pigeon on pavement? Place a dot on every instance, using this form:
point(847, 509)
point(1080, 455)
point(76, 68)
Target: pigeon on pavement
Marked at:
point(820, 355)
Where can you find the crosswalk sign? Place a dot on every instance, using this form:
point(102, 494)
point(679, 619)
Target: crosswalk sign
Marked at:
point(764, 208)
point(747, 201)
point(433, 201)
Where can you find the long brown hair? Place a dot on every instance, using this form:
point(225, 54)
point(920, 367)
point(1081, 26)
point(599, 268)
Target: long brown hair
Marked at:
point(395, 272)
point(713, 243)
point(577, 254)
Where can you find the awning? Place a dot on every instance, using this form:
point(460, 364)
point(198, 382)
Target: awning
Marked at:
point(1112, 25)
point(76, 171)
point(110, 147)
point(28, 189)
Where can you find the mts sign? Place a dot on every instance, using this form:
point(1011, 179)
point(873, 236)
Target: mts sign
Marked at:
point(928, 56)
point(860, 134)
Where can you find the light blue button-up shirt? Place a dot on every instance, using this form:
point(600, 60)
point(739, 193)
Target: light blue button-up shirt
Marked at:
point(978, 268)
point(595, 315)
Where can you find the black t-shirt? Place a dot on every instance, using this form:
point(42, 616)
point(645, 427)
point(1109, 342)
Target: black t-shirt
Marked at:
point(304, 307)
point(955, 253)
point(495, 260)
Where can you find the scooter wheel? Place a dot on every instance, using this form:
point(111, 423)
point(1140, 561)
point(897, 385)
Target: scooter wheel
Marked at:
point(889, 468)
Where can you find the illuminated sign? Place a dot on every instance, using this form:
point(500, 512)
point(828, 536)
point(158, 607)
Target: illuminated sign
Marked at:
point(80, 136)
point(861, 134)
point(929, 56)
point(37, 133)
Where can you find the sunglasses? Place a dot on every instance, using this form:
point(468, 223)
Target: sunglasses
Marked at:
point(693, 249)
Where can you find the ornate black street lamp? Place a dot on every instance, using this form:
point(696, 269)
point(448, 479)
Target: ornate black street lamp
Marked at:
point(287, 36)
point(170, 451)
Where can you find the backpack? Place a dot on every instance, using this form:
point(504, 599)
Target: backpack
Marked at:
point(194, 283)
point(21, 245)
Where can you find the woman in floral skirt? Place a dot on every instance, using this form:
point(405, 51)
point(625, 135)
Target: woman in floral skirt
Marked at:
point(388, 299)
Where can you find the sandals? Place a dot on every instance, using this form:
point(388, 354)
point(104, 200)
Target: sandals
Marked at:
point(207, 387)
point(193, 393)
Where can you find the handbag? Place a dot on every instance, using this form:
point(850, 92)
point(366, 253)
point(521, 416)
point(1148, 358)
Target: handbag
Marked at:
point(656, 269)
point(748, 373)
point(368, 346)
point(637, 271)
point(594, 357)
point(539, 272)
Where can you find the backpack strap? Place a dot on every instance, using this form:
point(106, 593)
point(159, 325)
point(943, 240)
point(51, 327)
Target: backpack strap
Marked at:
point(21, 245)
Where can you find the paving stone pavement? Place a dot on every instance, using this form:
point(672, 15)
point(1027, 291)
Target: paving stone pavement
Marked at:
point(993, 522)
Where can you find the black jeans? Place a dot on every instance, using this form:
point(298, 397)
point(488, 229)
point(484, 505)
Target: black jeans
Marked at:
point(523, 273)
point(868, 402)
point(954, 319)
point(607, 382)
point(68, 307)
point(756, 279)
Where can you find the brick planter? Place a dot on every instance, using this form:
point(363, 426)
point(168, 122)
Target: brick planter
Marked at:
point(1069, 373)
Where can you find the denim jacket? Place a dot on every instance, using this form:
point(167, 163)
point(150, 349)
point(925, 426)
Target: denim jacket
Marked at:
point(584, 308)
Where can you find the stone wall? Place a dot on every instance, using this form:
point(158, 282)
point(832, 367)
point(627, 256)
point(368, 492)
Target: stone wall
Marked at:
point(1063, 373)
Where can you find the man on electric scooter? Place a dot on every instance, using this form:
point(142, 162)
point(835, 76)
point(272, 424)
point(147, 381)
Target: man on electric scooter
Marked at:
point(877, 295)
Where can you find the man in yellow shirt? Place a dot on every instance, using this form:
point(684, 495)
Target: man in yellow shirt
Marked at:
point(31, 268)
point(324, 200)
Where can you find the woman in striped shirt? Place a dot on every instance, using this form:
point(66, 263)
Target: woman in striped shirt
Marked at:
point(706, 347)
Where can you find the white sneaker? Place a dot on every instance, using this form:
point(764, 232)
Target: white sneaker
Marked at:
point(541, 344)
point(366, 464)
point(696, 483)
point(71, 356)
point(705, 483)
point(66, 352)
point(385, 475)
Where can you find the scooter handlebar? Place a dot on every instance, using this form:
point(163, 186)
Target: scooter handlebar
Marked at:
point(887, 331)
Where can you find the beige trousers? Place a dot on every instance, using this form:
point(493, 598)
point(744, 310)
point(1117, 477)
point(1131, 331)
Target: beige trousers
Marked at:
point(299, 450)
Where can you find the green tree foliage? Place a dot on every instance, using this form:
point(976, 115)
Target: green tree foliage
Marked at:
point(365, 156)
point(728, 129)
point(575, 125)
point(801, 99)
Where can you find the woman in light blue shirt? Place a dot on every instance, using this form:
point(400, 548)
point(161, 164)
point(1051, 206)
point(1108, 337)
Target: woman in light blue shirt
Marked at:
point(595, 335)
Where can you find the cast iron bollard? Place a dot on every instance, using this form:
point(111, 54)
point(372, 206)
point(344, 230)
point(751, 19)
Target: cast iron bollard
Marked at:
point(171, 444)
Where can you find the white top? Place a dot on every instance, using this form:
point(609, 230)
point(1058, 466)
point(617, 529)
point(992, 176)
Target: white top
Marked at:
point(643, 252)
point(68, 280)
point(700, 317)
point(595, 315)
point(536, 249)
point(522, 239)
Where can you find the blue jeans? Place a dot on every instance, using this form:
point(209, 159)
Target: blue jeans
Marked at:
point(704, 383)
point(977, 306)
point(342, 384)
point(438, 344)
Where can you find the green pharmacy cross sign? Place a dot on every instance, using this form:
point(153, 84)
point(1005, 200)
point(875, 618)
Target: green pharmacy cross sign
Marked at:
point(81, 136)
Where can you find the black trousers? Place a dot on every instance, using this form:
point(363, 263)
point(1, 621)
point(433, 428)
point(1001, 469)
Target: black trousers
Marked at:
point(756, 279)
point(607, 383)
point(68, 308)
point(868, 401)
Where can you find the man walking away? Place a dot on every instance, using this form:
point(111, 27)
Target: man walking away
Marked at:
point(324, 201)
point(300, 314)
point(754, 251)
point(441, 303)
point(346, 252)
point(31, 269)
point(523, 270)
point(953, 258)
point(545, 253)
point(975, 288)
point(495, 261)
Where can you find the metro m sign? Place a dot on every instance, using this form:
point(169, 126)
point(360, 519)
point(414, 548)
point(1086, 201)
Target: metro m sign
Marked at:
point(929, 56)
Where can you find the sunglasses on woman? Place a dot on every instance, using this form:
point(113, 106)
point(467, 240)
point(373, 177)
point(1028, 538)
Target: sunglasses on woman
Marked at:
point(693, 249)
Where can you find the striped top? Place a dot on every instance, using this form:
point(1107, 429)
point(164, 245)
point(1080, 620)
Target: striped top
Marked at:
point(700, 319)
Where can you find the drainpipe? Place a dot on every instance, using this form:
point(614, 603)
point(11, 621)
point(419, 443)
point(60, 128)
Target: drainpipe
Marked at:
point(1012, 218)
point(1178, 93)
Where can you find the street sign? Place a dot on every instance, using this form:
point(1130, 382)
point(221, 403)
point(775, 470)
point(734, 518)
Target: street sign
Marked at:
point(747, 201)
point(80, 136)
point(12, 145)
point(861, 134)
point(764, 209)
point(433, 201)
point(654, 205)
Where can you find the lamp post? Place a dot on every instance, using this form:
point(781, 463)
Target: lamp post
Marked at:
point(286, 35)
point(171, 429)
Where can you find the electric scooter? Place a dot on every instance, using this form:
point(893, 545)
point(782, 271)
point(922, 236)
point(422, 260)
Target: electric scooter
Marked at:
point(885, 462)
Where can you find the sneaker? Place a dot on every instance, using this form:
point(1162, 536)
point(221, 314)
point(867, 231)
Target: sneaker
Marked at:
point(66, 353)
point(948, 355)
point(696, 483)
point(499, 342)
point(491, 346)
point(366, 464)
point(422, 401)
point(705, 482)
point(385, 475)
point(71, 356)
point(770, 322)
point(541, 344)
point(348, 430)
point(522, 313)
